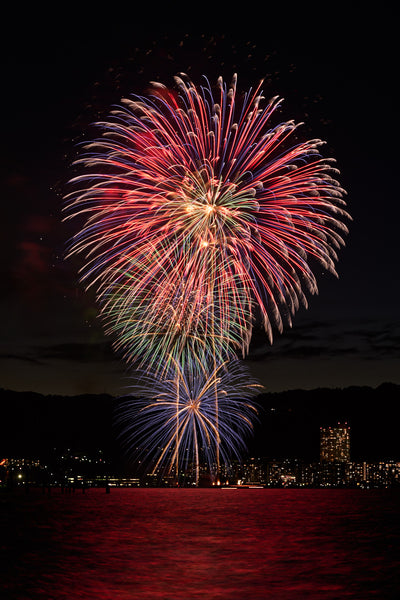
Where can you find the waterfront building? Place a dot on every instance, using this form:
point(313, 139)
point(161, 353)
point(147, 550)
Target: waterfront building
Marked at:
point(252, 471)
point(384, 474)
point(285, 473)
point(335, 444)
point(357, 474)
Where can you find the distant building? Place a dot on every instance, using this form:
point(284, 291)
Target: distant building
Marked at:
point(335, 444)
point(20, 463)
point(357, 474)
point(284, 473)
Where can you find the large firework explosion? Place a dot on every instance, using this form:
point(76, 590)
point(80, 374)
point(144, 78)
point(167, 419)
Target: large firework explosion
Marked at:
point(202, 215)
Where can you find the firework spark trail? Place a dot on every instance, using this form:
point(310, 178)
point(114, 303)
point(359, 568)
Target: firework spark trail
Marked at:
point(171, 420)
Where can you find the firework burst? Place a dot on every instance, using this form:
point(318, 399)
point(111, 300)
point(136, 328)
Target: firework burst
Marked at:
point(200, 212)
point(173, 423)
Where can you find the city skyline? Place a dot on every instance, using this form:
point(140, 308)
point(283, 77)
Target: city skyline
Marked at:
point(71, 469)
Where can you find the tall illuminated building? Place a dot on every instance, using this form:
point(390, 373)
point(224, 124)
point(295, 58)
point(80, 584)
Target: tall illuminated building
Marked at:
point(335, 444)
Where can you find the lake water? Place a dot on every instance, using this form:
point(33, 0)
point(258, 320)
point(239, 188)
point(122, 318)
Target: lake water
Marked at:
point(207, 544)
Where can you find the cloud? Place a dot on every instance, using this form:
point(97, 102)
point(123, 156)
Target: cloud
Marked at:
point(67, 353)
point(80, 352)
point(367, 339)
point(23, 358)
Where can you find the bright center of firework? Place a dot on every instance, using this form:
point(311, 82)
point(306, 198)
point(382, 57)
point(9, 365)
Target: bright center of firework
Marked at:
point(213, 211)
point(201, 194)
point(193, 404)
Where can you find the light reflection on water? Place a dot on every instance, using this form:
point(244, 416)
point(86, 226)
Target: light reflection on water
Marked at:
point(174, 544)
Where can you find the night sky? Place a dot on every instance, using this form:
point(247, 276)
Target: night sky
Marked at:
point(337, 73)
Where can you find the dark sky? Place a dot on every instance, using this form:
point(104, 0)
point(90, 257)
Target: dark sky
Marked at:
point(337, 72)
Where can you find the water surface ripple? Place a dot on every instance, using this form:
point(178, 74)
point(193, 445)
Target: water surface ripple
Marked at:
point(207, 544)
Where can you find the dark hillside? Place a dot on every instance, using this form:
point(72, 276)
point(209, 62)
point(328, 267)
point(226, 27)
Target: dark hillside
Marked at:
point(32, 424)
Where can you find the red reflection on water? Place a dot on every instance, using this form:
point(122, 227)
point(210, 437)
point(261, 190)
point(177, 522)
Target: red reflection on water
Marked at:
point(211, 544)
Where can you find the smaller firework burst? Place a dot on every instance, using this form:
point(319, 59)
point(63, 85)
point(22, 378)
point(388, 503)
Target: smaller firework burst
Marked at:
point(195, 414)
